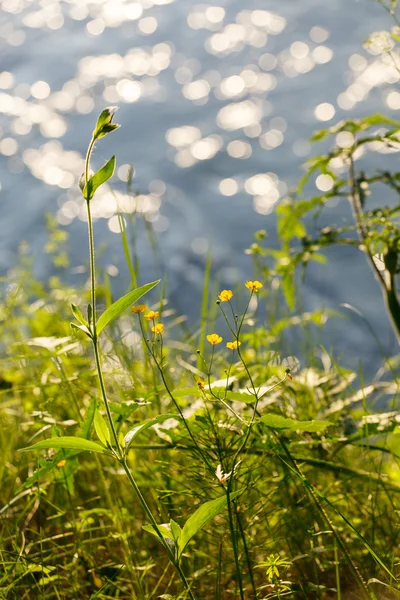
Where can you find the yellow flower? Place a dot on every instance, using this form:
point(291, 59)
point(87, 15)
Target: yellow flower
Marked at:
point(158, 328)
point(233, 345)
point(139, 308)
point(225, 295)
point(151, 315)
point(214, 339)
point(254, 286)
point(62, 463)
point(200, 384)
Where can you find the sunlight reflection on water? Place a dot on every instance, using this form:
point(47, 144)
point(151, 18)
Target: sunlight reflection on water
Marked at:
point(216, 105)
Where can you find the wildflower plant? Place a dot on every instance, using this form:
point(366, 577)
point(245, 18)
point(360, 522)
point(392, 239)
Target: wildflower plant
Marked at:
point(284, 432)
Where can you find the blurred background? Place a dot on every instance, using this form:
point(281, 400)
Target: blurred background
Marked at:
point(216, 105)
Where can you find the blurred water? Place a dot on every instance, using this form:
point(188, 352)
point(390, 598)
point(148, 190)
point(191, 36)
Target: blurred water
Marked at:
point(216, 104)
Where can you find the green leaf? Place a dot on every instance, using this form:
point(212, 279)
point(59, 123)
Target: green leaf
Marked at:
point(120, 306)
point(201, 518)
point(81, 328)
point(279, 422)
point(289, 289)
point(69, 443)
point(131, 435)
point(289, 224)
point(101, 428)
point(99, 178)
point(78, 315)
point(90, 312)
point(104, 123)
point(86, 427)
point(245, 397)
point(175, 529)
point(164, 530)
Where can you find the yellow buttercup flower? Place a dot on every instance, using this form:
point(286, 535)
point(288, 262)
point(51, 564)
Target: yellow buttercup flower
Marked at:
point(200, 384)
point(62, 463)
point(225, 295)
point(214, 339)
point(139, 308)
point(158, 328)
point(151, 315)
point(233, 345)
point(254, 286)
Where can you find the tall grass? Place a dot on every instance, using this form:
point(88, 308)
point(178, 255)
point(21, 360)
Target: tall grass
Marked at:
point(212, 471)
point(204, 461)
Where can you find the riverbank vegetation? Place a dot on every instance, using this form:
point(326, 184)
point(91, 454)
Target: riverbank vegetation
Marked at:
point(146, 456)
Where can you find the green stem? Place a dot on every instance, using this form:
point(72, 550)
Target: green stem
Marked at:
point(104, 394)
point(121, 459)
point(155, 527)
point(175, 402)
point(92, 271)
point(93, 324)
point(234, 542)
point(361, 583)
point(247, 553)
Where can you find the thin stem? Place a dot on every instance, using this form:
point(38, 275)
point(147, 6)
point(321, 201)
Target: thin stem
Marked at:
point(90, 234)
point(246, 550)
point(363, 586)
point(155, 526)
point(172, 397)
point(92, 271)
point(104, 394)
point(121, 458)
point(234, 541)
point(93, 324)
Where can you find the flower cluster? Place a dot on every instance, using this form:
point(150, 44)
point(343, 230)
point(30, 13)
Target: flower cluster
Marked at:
point(151, 315)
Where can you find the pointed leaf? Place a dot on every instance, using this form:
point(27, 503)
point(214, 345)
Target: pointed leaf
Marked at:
point(86, 427)
point(175, 529)
point(201, 518)
point(70, 443)
point(101, 428)
point(165, 530)
point(120, 306)
point(78, 315)
point(279, 422)
point(104, 122)
point(121, 439)
point(82, 328)
point(89, 312)
point(99, 178)
point(130, 436)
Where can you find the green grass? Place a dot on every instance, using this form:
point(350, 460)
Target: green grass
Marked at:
point(163, 465)
point(317, 510)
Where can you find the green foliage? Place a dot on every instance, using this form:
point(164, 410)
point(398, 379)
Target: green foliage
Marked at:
point(120, 306)
point(102, 430)
point(96, 180)
point(281, 423)
point(105, 123)
point(199, 519)
point(68, 443)
point(180, 537)
point(133, 433)
point(303, 453)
